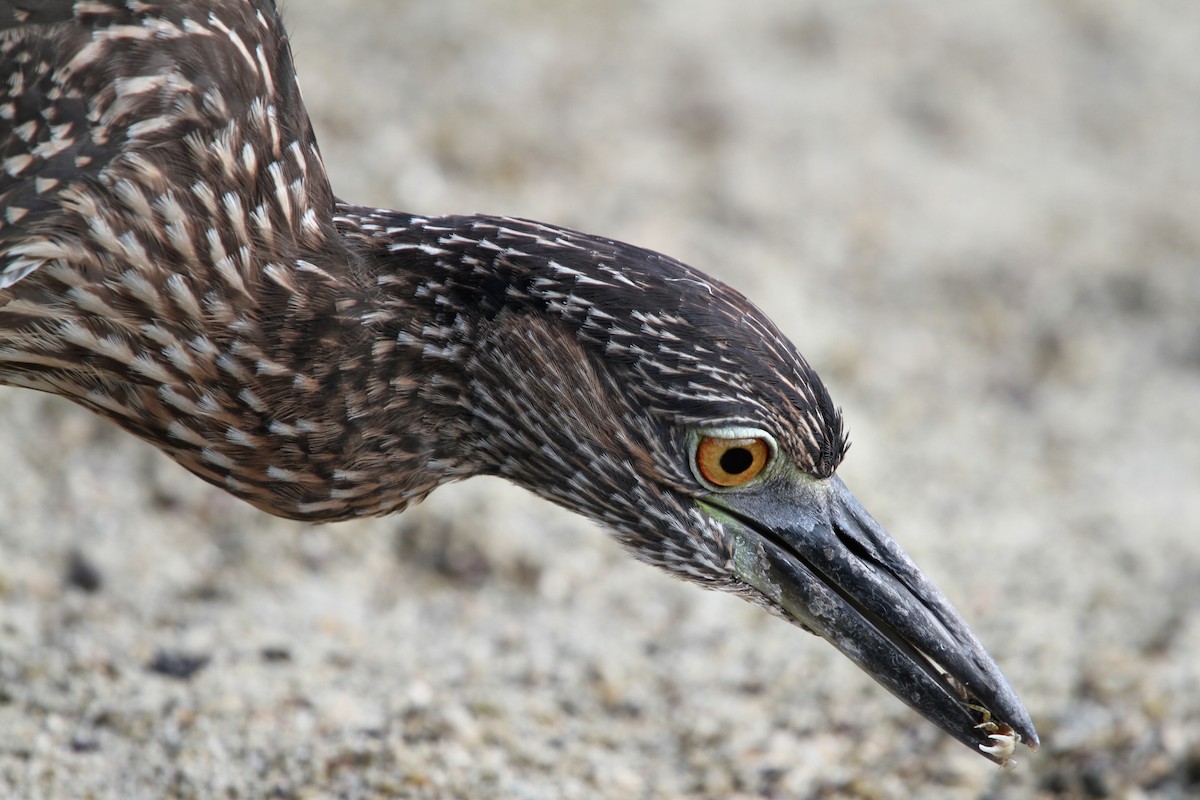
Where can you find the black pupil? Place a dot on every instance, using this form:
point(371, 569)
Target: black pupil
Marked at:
point(736, 460)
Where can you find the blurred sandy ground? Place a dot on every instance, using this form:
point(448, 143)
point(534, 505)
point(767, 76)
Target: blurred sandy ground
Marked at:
point(978, 220)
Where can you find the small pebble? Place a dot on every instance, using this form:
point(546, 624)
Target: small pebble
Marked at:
point(177, 665)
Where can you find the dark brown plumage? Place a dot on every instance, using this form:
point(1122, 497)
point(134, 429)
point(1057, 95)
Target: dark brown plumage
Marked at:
point(172, 257)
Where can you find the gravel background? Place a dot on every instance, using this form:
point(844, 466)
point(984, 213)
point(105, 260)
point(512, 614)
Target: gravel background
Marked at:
point(979, 222)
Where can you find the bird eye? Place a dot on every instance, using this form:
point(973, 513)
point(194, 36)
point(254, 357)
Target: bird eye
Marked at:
point(731, 462)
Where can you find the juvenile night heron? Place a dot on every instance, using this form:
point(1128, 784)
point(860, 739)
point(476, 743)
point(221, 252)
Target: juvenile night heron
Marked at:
point(172, 258)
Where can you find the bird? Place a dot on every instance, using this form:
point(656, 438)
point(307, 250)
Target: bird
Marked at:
point(173, 258)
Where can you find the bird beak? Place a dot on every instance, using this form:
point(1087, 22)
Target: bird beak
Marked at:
point(818, 557)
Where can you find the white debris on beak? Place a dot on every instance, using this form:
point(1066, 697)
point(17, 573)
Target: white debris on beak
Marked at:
point(1005, 745)
point(1002, 734)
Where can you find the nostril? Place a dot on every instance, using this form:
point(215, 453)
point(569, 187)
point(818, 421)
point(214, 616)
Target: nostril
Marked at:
point(856, 547)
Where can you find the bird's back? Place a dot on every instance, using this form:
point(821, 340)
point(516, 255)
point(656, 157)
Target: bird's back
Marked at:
point(116, 123)
point(164, 213)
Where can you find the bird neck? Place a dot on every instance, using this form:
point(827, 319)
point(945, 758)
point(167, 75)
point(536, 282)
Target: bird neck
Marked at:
point(479, 376)
point(477, 367)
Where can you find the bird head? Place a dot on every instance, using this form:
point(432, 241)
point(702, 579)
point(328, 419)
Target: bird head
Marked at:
point(628, 387)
